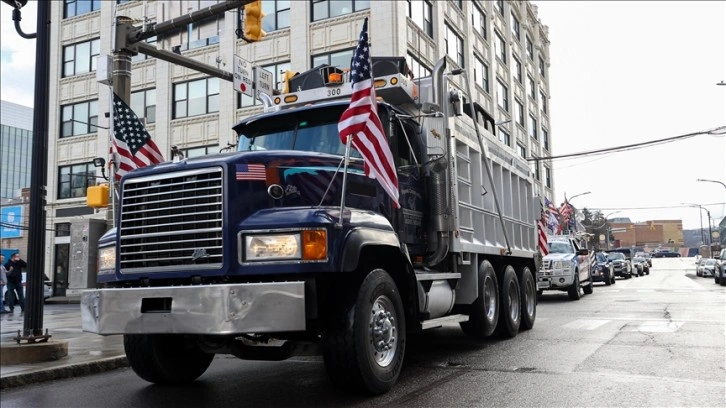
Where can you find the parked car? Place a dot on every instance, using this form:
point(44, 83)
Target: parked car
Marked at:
point(720, 277)
point(666, 254)
point(707, 267)
point(621, 265)
point(647, 256)
point(641, 265)
point(47, 289)
point(602, 269)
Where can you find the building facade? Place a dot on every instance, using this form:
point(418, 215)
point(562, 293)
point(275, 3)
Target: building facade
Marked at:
point(16, 139)
point(502, 45)
point(649, 234)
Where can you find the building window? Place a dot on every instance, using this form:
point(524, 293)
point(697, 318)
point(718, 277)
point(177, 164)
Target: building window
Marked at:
point(502, 96)
point(530, 48)
point(543, 101)
point(546, 139)
point(143, 103)
point(340, 59)
point(535, 169)
point(481, 74)
point(499, 6)
point(532, 128)
point(74, 180)
point(515, 26)
point(74, 8)
point(479, 21)
point(504, 136)
point(79, 118)
point(199, 151)
point(454, 46)
point(80, 58)
point(420, 12)
point(196, 98)
point(519, 112)
point(517, 69)
point(531, 88)
point(459, 4)
point(548, 177)
point(522, 151)
point(63, 229)
point(323, 9)
point(418, 69)
point(122, 1)
point(500, 48)
point(277, 71)
point(541, 67)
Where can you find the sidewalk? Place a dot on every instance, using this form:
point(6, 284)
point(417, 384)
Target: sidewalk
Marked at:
point(88, 353)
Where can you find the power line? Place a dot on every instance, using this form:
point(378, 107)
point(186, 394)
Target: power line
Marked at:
point(716, 131)
point(647, 208)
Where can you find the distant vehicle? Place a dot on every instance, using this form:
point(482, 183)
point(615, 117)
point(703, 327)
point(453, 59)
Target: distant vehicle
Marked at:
point(621, 265)
point(666, 254)
point(647, 256)
point(720, 277)
point(602, 269)
point(642, 265)
point(707, 267)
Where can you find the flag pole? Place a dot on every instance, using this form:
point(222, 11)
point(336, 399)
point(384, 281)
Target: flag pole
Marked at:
point(345, 178)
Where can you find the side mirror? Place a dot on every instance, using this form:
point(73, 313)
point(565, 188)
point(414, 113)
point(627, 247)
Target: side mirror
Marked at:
point(583, 252)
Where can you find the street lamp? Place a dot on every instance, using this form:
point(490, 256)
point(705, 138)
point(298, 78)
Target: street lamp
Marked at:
point(577, 195)
point(700, 214)
point(713, 181)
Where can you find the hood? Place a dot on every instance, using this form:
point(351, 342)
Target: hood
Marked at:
point(558, 257)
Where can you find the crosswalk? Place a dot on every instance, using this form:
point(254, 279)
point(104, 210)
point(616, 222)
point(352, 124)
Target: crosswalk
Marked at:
point(637, 325)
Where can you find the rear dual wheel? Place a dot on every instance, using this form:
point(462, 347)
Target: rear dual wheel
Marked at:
point(484, 313)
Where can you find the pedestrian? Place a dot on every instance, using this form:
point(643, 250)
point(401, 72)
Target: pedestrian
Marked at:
point(14, 269)
point(3, 282)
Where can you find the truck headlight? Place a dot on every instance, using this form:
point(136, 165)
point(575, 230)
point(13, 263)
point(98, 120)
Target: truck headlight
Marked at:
point(558, 265)
point(308, 245)
point(106, 260)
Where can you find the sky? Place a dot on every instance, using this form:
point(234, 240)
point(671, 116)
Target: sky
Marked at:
point(621, 72)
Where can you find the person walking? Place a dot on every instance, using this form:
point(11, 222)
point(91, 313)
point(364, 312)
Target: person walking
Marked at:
point(3, 282)
point(14, 269)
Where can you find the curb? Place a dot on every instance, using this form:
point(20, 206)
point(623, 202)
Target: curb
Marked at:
point(71, 370)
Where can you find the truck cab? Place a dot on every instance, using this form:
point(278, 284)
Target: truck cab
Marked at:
point(565, 268)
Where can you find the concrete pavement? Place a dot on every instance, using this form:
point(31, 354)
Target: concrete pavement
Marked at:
point(87, 353)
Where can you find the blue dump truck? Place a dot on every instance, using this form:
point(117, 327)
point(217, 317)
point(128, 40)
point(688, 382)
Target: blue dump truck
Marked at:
point(252, 253)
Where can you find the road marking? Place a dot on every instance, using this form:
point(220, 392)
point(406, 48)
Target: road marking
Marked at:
point(660, 326)
point(582, 324)
point(609, 290)
point(646, 290)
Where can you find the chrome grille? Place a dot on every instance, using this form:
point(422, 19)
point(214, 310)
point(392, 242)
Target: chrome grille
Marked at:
point(172, 220)
point(546, 264)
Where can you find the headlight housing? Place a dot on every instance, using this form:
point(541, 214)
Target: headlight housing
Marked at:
point(306, 245)
point(106, 260)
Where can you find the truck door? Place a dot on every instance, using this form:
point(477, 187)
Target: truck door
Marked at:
point(406, 150)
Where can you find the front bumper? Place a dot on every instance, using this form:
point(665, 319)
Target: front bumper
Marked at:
point(556, 282)
point(601, 276)
point(212, 309)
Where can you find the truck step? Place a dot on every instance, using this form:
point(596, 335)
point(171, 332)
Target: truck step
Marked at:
point(439, 321)
point(426, 276)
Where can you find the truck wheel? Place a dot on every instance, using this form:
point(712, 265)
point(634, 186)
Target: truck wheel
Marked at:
point(485, 309)
point(165, 358)
point(529, 299)
point(609, 280)
point(574, 291)
point(588, 288)
point(364, 343)
point(510, 315)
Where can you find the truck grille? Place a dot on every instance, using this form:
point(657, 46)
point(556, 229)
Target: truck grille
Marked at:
point(546, 264)
point(172, 220)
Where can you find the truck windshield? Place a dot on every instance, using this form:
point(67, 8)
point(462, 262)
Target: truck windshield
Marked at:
point(561, 248)
point(308, 130)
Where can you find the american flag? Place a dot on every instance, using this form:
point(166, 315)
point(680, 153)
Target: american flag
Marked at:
point(131, 140)
point(551, 206)
point(361, 121)
point(542, 238)
point(250, 172)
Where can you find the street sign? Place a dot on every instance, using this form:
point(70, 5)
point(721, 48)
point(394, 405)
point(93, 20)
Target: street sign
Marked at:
point(11, 219)
point(263, 81)
point(242, 76)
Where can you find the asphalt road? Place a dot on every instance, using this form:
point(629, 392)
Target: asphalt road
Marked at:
point(657, 340)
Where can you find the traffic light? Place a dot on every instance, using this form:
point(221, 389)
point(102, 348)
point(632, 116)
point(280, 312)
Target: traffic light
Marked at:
point(16, 3)
point(286, 77)
point(253, 21)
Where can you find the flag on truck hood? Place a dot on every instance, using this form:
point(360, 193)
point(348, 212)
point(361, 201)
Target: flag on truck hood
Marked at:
point(542, 238)
point(131, 141)
point(361, 122)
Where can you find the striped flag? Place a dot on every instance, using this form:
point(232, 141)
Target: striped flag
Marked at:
point(131, 140)
point(250, 172)
point(542, 238)
point(361, 122)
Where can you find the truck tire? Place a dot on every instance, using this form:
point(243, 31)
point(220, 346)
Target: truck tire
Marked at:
point(484, 313)
point(588, 288)
point(365, 339)
point(529, 299)
point(574, 291)
point(510, 313)
point(165, 358)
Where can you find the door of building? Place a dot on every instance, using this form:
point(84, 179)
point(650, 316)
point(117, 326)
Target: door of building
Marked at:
point(60, 269)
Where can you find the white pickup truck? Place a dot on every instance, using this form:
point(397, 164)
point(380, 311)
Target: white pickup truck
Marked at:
point(565, 268)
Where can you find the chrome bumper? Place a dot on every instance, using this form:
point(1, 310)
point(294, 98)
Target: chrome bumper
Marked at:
point(554, 282)
point(213, 309)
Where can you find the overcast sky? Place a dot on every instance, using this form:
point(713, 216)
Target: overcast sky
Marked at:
point(621, 72)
